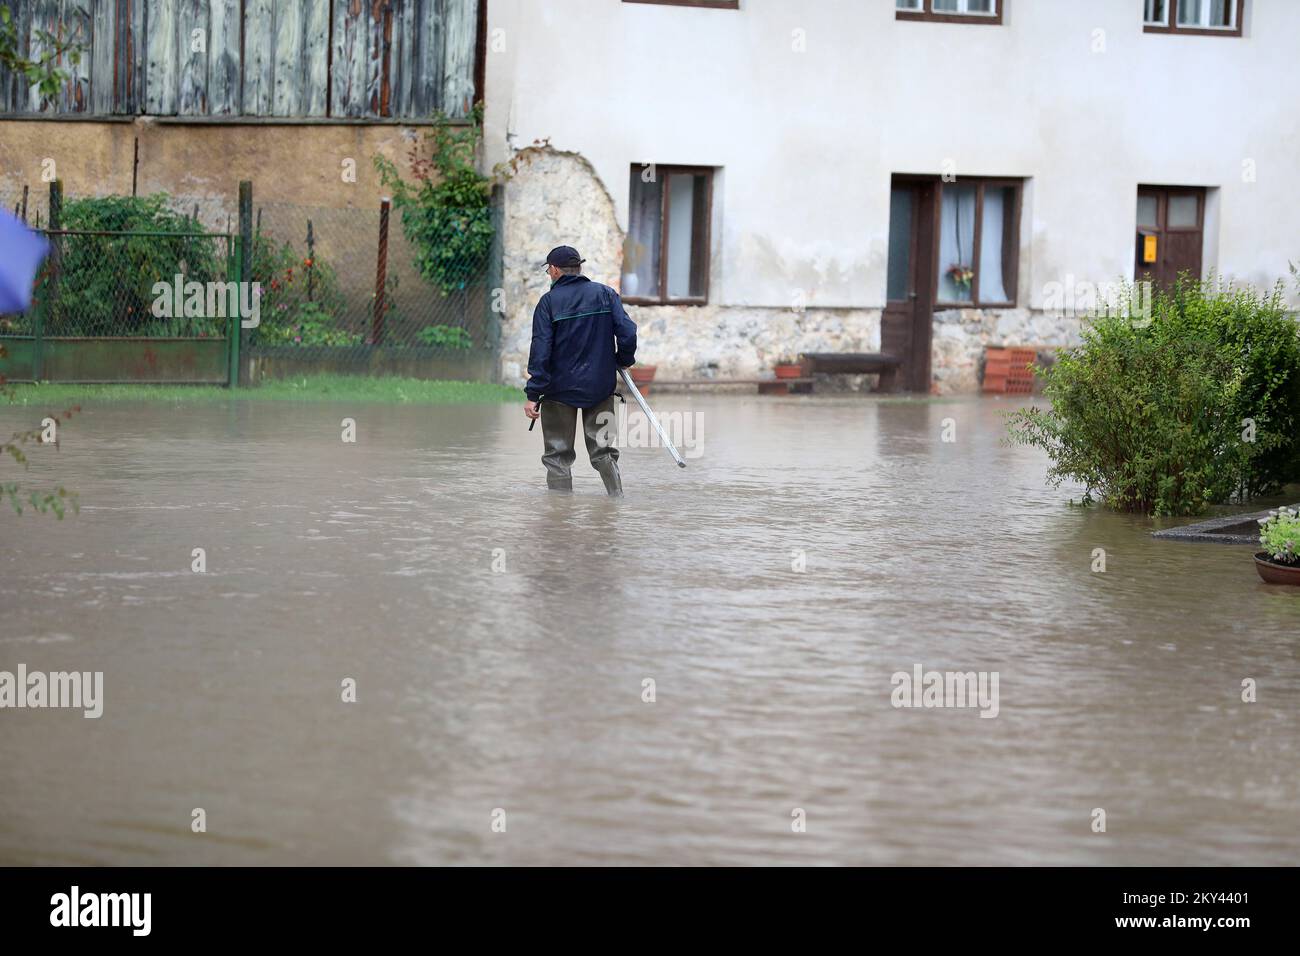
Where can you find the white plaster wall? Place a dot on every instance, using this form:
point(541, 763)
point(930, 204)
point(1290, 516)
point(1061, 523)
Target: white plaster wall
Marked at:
point(808, 140)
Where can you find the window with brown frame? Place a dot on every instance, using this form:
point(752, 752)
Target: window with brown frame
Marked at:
point(714, 4)
point(978, 242)
point(1220, 18)
point(666, 256)
point(950, 11)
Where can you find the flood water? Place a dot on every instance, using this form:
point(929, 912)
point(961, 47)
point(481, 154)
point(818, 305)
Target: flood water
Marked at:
point(500, 639)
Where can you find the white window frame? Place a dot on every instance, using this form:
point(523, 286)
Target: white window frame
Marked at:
point(1170, 24)
point(964, 11)
point(1158, 22)
point(1202, 23)
point(924, 10)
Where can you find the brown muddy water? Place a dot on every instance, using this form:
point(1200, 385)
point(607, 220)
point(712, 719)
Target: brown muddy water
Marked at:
point(519, 687)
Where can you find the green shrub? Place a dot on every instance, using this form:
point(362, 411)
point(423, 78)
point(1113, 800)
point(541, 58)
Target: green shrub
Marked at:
point(301, 303)
point(444, 337)
point(1279, 535)
point(1195, 404)
point(105, 283)
point(308, 324)
point(446, 212)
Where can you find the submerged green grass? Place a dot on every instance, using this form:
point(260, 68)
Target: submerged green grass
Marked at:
point(311, 388)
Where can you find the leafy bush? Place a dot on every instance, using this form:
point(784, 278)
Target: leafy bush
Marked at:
point(17, 493)
point(445, 337)
point(1192, 405)
point(45, 71)
point(290, 313)
point(446, 212)
point(1279, 535)
point(105, 283)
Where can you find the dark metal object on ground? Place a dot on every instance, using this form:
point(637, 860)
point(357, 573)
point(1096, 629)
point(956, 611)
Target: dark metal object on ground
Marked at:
point(1227, 529)
point(854, 363)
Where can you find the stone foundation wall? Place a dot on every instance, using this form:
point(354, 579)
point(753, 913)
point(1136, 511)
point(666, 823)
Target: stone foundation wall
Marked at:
point(961, 335)
point(739, 342)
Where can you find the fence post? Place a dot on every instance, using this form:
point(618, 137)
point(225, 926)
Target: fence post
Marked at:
point(381, 276)
point(496, 278)
point(244, 268)
point(49, 300)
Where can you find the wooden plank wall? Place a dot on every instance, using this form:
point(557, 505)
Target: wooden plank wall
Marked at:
point(290, 58)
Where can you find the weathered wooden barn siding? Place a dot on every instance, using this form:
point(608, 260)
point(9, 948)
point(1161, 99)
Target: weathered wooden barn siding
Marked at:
point(225, 20)
point(77, 16)
point(343, 58)
point(457, 56)
point(101, 56)
point(161, 71)
point(192, 48)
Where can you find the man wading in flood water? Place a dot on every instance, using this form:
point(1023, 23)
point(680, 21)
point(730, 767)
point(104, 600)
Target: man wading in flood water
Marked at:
point(581, 336)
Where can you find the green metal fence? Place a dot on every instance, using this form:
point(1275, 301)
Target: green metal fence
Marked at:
point(112, 306)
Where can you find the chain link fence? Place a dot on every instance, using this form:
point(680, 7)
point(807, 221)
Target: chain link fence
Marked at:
point(341, 283)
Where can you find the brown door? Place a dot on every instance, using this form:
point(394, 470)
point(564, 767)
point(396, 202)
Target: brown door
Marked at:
point(1175, 217)
point(906, 324)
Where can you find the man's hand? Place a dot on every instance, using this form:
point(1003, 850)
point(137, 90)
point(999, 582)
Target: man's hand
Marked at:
point(530, 410)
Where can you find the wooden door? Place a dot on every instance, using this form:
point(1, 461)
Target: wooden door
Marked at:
point(906, 325)
point(1175, 217)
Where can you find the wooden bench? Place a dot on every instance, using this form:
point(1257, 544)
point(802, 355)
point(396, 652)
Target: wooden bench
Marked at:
point(766, 386)
point(854, 363)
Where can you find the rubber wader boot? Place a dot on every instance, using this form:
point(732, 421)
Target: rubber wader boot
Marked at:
point(598, 429)
point(559, 428)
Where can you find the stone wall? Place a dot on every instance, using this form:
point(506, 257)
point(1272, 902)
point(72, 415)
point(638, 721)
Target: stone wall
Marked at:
point(553, 199)
point(961, 335)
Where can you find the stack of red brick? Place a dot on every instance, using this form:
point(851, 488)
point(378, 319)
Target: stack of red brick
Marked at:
point(1009, 371)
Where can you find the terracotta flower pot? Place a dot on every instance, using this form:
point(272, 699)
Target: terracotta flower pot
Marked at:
point(788, 371)
point(1275, 573)
point(642, 376)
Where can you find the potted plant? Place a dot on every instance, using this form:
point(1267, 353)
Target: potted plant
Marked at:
point(1279, 536)
point(787, 367)
point(642, 376)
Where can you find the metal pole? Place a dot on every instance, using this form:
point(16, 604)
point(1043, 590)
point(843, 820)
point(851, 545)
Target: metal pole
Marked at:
point(245, 273)
point(381, 275)
point(672, 449)
point(311, 259)
point(50, 299)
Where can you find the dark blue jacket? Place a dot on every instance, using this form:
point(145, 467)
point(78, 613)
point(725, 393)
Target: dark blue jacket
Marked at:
point(580, 335)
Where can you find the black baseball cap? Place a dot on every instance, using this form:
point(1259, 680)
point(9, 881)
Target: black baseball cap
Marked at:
point(562, 256)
